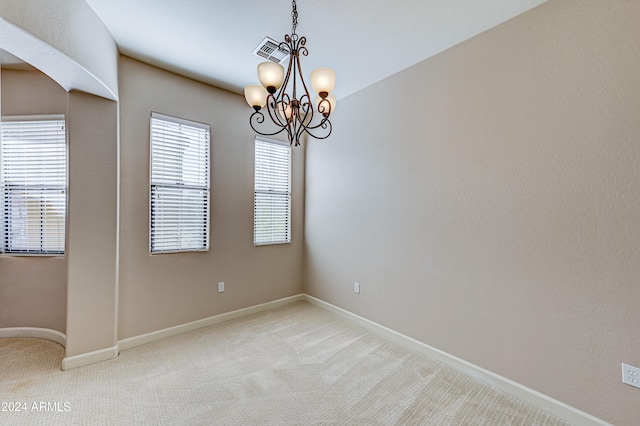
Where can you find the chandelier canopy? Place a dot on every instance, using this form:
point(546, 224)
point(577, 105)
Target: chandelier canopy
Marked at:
point(286, 97)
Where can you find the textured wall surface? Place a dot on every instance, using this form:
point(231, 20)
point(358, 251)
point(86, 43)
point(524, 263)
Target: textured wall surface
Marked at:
point(488, 201)
point(92, 223)
point(33, 290)
point(161, 291)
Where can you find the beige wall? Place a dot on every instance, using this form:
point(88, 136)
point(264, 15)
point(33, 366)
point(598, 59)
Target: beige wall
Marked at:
point(489, 203)
point(33, 290)
point(74, 294)
point(92, 223)
point(155, 291)
point(165, 290)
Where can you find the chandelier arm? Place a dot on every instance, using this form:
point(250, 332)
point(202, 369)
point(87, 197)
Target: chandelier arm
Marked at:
point(293, 133)
point(275, 119)
point(323, 111)
point(290, 47)
point(306, 107)
point(324, 108)
point(305, 52)
point(302, 48)
point(259, 118)
point(272, 109)
point(290, 133)
point(299, 133)
point(307, 102)
point(327, 126)
point(323, 124)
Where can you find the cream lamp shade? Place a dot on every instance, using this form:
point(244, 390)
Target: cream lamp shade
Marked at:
point(284, 111)
point(256, 96)
point(270, 75)
point(323, 80)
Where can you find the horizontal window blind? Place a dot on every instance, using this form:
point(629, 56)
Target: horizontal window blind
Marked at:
point(179, 195)
point(272, 193)
point(33, 179)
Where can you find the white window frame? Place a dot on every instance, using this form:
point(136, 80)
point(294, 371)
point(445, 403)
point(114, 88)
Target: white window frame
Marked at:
point(50, 232)
point(178, 190)
point(268, 226)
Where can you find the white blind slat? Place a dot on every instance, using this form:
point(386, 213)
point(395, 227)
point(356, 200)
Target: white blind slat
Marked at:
point(272, 193)
point(33, 179)
point(179, 213)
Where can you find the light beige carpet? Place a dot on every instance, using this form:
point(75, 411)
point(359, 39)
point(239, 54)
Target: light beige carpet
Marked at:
point(295, 365)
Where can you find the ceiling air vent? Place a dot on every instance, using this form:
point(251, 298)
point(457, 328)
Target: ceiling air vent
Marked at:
point(269, 50)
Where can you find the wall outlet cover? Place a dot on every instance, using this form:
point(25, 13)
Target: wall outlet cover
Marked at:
point(221, 287)
point(356, 288)
point(631, 375)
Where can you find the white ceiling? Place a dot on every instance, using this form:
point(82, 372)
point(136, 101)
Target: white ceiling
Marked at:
point(363, 40)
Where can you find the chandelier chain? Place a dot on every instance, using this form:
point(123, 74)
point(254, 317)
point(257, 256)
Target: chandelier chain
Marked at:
point(294, 17)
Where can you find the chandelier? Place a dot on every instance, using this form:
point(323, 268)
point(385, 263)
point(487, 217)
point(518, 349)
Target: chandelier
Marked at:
point(286, 97)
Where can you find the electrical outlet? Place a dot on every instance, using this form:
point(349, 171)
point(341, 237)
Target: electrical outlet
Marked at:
point(631, 375)
point(356, 287)
point(221, 287)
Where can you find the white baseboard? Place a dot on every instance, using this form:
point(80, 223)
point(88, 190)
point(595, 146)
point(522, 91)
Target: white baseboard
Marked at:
point(109, 353)
point(34, 332)
point(535, 398)
point(132, 342)
point(89, 358)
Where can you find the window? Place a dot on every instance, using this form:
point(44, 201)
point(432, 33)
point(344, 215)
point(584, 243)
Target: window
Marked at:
point(33, 185)
point(272, 193)
point(179, 210)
